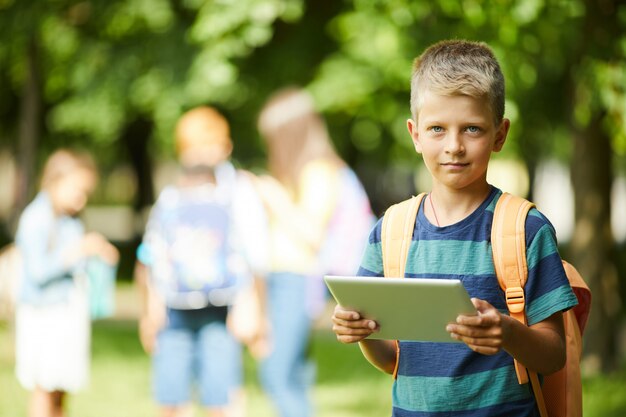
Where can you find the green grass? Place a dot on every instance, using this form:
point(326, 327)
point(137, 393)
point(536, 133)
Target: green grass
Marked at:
point(347, 386)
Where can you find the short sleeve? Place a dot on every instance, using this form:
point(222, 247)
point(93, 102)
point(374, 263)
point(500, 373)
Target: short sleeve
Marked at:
point(372, 263)
point(547, 290)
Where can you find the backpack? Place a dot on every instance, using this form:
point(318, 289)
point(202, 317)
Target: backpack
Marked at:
point(561, 393)
point(191, 250)
point(351, 221)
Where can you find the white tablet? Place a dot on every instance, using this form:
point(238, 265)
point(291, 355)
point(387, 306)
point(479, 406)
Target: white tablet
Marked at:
point(404, 308)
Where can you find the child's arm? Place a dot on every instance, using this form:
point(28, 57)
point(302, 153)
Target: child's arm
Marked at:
point(350, 328)
point(540, 347)
point(92, 244)
point(153, 313)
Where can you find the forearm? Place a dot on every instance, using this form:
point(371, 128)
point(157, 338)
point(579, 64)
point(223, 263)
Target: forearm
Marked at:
point(260, 288)
point(540, 347)
point(44, 266)
point(380, 353)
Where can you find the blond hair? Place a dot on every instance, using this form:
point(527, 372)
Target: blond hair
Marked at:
point(295, 134)
point(66, 161)
point(459, 67)
point(201, 126)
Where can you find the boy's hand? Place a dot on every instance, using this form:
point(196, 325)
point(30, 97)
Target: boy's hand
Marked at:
point(350, 327)
point(484, 332)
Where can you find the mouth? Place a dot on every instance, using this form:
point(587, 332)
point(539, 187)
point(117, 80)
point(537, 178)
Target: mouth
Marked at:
point(455, 164)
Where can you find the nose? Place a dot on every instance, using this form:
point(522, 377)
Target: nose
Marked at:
point(454, 144)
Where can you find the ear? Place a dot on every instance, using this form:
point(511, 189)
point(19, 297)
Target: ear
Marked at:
point(412, 127)
point(501, 135)
point(228, 150)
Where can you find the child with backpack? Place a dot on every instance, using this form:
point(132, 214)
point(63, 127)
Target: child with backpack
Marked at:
point(52, 318)
point(317, 208)
point(457, 107)
point(204, 241)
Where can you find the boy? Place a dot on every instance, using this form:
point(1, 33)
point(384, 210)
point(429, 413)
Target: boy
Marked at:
point(204, 237)
point(457, 104)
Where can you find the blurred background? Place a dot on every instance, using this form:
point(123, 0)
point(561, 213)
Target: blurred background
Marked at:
point(113, 76)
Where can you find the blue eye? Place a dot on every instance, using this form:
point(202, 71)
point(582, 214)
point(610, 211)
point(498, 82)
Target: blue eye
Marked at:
point(473, 129)
point(437, 129)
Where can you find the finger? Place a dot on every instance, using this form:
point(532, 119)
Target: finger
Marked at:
point(481, 305)
point(355, 324)
point(485, 350)
point(344, 314)
point(489, 319)
point(347, 315)
point(480, 347)
point(349, 331)
point(350, 338)
point(479, 344)
point(477, 332)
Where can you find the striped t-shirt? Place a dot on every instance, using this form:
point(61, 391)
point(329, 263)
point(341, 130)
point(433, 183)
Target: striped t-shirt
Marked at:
point(444, 379)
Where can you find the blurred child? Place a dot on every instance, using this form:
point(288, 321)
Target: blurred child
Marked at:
point(52, 318)
point(457, 108)
point(204, 239)
point(309, 189)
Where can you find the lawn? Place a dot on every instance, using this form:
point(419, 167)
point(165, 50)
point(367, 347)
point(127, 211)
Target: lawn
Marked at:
point(347, 386)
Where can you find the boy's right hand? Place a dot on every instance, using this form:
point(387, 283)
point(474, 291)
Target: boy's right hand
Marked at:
point(350, 327)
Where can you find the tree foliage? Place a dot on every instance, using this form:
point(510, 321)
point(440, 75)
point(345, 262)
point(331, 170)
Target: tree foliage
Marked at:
point(106, 63)
point(114, 75)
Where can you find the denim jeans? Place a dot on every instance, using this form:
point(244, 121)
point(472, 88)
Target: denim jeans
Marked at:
point(286, 373)
point(195, 350)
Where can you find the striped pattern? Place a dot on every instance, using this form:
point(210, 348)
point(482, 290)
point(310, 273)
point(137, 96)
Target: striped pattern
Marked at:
point(439, 379)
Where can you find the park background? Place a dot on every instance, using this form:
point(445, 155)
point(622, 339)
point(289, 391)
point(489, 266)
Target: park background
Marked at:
point(112, 76)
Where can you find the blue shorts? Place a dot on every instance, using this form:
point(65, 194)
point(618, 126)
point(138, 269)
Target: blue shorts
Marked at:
point(196, 350)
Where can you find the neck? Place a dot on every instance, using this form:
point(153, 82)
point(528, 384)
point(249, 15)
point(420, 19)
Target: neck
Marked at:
point(448, 207)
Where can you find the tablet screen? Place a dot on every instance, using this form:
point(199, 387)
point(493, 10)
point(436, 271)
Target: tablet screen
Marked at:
point(405, 308)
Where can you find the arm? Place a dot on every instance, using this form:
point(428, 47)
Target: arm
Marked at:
point(153, 310)
point(351, 328)
point(48, 257)
point(152, 316)
point(540, 347)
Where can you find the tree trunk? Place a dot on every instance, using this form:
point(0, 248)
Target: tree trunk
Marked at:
point(136, 139)
point(592, 176)
point(593, 244)
point(30, 110)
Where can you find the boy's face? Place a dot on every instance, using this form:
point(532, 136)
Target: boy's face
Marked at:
point(456, 136)
point(211, 153)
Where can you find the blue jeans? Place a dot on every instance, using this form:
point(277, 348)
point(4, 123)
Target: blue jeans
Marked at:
point(196, 349)
point(286, 374)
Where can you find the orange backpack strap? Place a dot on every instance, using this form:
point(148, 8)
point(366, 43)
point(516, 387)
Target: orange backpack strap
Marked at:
point(396, 237)
point(583, 293)
point(508, 244)
point(397, 233)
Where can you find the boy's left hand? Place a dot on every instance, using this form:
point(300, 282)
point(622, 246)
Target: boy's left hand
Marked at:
point(483, 332)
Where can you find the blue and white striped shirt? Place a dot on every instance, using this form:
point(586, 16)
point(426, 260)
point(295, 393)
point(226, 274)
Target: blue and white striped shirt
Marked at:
point(442, 379)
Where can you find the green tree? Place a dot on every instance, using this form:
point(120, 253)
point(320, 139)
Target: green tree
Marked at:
point(114, 74)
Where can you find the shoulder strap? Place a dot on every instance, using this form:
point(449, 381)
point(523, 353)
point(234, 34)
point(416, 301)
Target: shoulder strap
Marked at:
point(508, 244)
point(397, 233)
point(396, 236)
